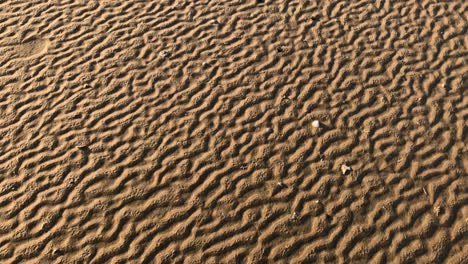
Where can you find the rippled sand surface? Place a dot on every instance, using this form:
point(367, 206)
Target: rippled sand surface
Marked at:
point(233, 131)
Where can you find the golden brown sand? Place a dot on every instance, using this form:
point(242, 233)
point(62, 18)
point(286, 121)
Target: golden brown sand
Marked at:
point(233, 131)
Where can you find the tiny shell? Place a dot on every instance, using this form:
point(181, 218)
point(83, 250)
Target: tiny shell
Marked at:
point(165, 54)
point(316, 123)
point(437, 210)
point(345, 168)
point(294, 216)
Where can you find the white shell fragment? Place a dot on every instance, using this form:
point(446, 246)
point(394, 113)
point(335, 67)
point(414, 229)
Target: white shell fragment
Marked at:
point(165, 54)
point(437, 210)
point(294, 217)
point(316, 123)
point(345, 169)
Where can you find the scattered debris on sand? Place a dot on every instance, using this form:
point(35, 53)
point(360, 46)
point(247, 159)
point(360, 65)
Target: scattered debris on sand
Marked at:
point(345, 169)
point(316, 124)
point(294, 217)
point(281, 185)
point(165, 54)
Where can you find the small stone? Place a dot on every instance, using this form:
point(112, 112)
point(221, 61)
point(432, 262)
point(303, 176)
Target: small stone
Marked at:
point(345, 169)
point(316, 123)
point(260, 1)
point(269, 130)
point(205, 64)
point(215, 22)
point(279, 49)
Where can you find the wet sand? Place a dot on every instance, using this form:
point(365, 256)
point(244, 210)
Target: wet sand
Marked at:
point(233, 131)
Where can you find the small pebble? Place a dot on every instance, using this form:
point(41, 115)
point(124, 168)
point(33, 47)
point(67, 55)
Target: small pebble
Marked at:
point(205, 64)
point(345, 169)
point(316, 123)
point(269, 130)
point(279, 49)
point(215, 22)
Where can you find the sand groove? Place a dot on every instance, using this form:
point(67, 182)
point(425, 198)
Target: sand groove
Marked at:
point(181, 131)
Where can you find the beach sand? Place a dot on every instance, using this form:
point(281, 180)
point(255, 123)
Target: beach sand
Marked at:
point(233, 131)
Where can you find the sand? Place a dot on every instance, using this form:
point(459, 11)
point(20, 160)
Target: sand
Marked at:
point(233, 131)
